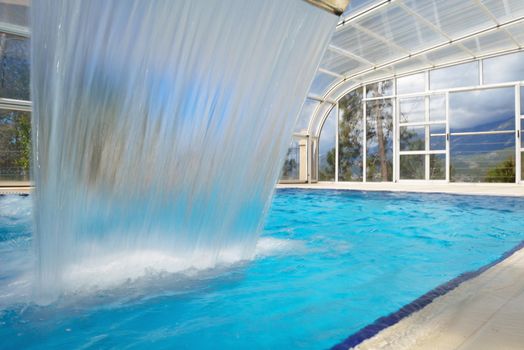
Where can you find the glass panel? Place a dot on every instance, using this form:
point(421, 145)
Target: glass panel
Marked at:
point(412, 167)
point(483, 158)
point(305, 115)
point(504, 68)
point(356, 5)
point(466, 74)
point(517, 31)
point(379, 124)
point(437, 108)
point(314, 165)
point(522, 167)
point(522, 101)
point(337, 63)
point(412, 109)
point(437, 166)
point(411, 83)
point(326, 148)
point(506, 9)
point(364, 45)
point(382, 88)
point(491, 42)
point(350, 137)
point(290, 169)
point(397, 27)
point(412, 138)
point(482, 110)
point(455, 18)
point(15, 145)
point(14, 66)
point(437, 137)
point(521, 129)
point(14, 12)
point(321, 83)
point(447, 54)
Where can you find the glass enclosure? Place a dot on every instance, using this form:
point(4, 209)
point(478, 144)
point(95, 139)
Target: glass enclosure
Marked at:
point(460, 123)
point(327, 148)
point(15, 115)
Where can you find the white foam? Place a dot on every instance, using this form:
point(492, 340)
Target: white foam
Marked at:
point(113, 270)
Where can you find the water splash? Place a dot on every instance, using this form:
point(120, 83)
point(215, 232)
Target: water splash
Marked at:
point(159, 126)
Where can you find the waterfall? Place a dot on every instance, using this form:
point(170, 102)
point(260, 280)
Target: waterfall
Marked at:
point(159, 130)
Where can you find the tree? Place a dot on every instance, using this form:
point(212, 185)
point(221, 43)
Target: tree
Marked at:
point(15, 144)
point(503, 172)
point(379, 128)
point(350, 137)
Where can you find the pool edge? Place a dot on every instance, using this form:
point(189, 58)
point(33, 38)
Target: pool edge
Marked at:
point(418, 304)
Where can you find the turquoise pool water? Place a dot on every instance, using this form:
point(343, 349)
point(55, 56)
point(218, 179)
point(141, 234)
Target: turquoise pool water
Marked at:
point(328, 264)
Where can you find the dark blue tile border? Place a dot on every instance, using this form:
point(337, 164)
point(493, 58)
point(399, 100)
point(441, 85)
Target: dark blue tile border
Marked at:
point(416, 305)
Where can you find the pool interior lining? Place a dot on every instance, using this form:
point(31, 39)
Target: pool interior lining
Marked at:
point(418, 304)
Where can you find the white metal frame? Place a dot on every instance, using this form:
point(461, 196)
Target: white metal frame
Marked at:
point(519, 119)
point(493, 24)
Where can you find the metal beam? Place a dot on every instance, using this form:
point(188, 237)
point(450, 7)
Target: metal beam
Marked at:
point(14, 29)
point(349, 54)
point(434, 48)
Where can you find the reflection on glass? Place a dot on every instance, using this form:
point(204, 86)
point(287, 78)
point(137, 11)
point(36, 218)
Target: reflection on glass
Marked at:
point(379, 140)
point(522, 100)
point(412, 110)
point(522, 167)
point(411, 84)
point(305, 115)
point(412, 138)
point(437, 166)
point(461, 75)
point(15, 145)
point(314, 165)
point(14, 67)
point(483, 158)
point(521, 130)
point(382, 88)
point(14, 12)
point(412, 167)
point(437, 137)
point(437, 108)
point(482, 110)
point(350, 137)
point(290, 170)
point(326, 148)
point(503, 69)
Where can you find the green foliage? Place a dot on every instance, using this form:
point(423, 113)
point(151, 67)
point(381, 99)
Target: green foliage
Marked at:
point(503, 172)
point(379, 134)
point(23, 140)
point(327, 173)
point(350, 137)
point(15, 145)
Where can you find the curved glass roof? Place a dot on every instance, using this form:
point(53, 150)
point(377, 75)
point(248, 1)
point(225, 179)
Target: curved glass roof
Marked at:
point(382, 38)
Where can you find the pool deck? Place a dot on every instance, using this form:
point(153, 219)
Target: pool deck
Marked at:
point(423, 187)
point(483, 313)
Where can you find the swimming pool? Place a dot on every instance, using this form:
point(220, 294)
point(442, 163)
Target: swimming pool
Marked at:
point(328, 264)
